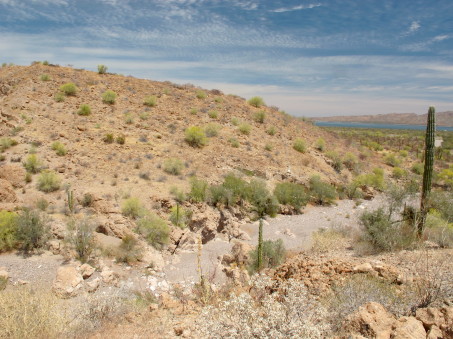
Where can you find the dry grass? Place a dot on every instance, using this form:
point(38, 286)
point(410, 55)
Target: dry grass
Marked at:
point(330, 239)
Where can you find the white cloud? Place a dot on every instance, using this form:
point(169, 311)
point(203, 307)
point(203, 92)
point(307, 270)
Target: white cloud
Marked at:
point(295, 8)
point(415, 25)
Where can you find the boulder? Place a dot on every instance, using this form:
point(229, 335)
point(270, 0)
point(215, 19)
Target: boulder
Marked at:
point(363, 268)
point(408, 328)
point(372, 320)
point(15, 174)
point(7, 193)
point(240, 251)
point(435, 333)
point(109, 277)
point(87, 271)
point(4, 273)
point(93, 285)
point(68, 282)
point(153, 258)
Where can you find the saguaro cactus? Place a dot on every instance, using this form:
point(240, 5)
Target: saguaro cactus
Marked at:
point(260, 245)
point(428, 170)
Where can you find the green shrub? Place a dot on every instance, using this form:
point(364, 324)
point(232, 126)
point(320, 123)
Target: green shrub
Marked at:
point(154, 229)
point(404, 153)
point(322, 192)
point(6, 143)
point(288, 193)
point(59, 148)
point(417, 168)
point(129, 251)
point(320, 144)
point(109, 97)
point(150, 101)
point(398, 172)
point(133, 208)
point(81, 238)
point(299, 145)
point(102, 69)
point(8, 229)
point(173, 166)
point(68, 89)
point(245, 128)
point(268, 147)
point(271, 130)
point(274, 254)
point(350, 161)
point(84, 110)
point(262, 201)
point(45, 77)
point(383, 234)
point(201, 94)
point(32, 231)
point(108, 138)
point(195, 136)
point(198, 189)
point(87, 200)
point(144, 115)
point(220, 195)
point(392, 160)
point(234, 142)
point(48, 181)
point(32, 164)
point(213, 114)
point(256, 101)
point(212, 130)
point(235, 121)
point(337, 163)
point(193, 111)
point(441, 202)
point(375, 179)
point(259, 116)
point(237, 186)
point(59, 97)
point(42, 204)
point(179, 216)
point(121, 139)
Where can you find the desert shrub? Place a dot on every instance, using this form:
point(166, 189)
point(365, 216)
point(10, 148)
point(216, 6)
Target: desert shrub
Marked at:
point(417, 168)
point(438, 230)
point(198, 189)
point(195, 136)
point(268, 147)
point(330, 239)
point(109, 97)
point(337, 163)
point(45, 77)
point(28, 177)
point(213, 114)
point(320, 144)
point(26, 313)
point(133, 208)
point(84, 110)
point(375, 179)
point(59, 148)
point(201, 94)
point(235, 121)
point(237, 186)
point(129, 250)
point(121, 139)
point(144, 116)
point(173, 166)
point(293, 313)
point(32, 231)
point(150, 101)
point(6, 143)
point(322, 193)
point(48, 181)
point(289, 193)
point(441, 202)
point(245, 128)
point(108, 138)
point(271, 130)
point(81, 238)
point(262, 201)
point(32, 164)
point(87, 200)
point(8, 229)
point(350, 161)
point(273, 255)
point(391, 160)
point(154, 229)
point(234, 142)
point(259, 116)
point(42, 204)
point(256, 102)
point(68, 89)
point(59, 97)
point(220, 195)
point(102, 69)
point(193, 111)
point(212, 130)
point(299, 145)
point(383, 234)
point(403, 153)
point(446, 177)
point(129, 119)
point(179, 216)
point(398, 172)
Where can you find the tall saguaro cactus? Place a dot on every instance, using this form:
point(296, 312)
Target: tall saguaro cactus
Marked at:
point(260, 245)
point(428, 170)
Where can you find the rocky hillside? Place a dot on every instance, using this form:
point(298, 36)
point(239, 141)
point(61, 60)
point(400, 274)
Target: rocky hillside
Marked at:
point(442, 118)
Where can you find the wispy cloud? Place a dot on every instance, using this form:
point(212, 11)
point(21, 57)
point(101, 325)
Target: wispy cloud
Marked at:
point(294, 8)
point(415, 25)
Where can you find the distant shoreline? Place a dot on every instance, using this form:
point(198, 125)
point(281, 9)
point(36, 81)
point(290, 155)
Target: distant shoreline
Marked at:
point(376, 125)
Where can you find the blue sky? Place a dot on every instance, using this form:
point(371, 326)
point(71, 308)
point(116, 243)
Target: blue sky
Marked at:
point(310, 58)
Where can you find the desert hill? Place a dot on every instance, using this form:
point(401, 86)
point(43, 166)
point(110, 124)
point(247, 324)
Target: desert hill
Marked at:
point(442, 118)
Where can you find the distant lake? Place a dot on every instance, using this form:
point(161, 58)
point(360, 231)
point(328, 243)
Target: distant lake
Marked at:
point(371, 125)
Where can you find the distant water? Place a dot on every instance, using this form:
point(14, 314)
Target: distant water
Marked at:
point(371, 125)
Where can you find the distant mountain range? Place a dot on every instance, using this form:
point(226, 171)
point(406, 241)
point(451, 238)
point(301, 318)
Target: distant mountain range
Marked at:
point(442, 118)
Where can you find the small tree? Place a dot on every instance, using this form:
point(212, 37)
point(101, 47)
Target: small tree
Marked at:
point(102, 69)
point(256, 101)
